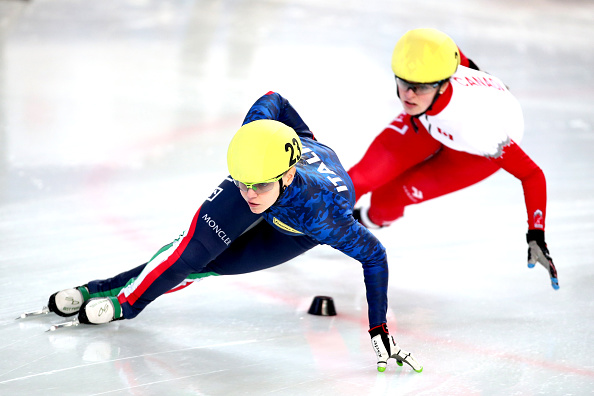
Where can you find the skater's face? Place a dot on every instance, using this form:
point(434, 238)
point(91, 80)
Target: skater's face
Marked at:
point(261, 199)
point(416, 98)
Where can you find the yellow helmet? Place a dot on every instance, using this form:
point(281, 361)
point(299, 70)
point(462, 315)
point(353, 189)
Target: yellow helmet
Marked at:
point(425, 56)
point(262, 150)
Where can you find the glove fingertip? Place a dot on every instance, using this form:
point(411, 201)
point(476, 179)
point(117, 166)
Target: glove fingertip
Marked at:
point(381, 367)
point(398, 362)
point(555, 283)
point(531, 265)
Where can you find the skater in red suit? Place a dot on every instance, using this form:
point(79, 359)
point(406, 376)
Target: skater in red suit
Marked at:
point(459, 126)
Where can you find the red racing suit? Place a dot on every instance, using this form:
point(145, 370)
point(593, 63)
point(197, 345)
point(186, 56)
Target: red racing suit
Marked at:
point(471, 130)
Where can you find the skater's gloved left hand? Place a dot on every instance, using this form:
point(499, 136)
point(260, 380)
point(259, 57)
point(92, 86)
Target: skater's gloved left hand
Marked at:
point(385, 347)
point(539, 253)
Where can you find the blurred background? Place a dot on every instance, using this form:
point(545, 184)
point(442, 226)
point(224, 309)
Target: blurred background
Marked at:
point(114, 122)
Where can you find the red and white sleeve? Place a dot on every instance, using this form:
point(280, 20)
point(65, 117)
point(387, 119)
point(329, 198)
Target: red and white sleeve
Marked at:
point(515, 161)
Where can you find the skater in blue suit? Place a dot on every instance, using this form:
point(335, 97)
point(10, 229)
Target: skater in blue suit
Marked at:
point(286, 193)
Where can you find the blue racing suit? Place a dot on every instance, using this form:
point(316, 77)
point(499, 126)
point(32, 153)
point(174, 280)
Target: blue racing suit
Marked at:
point(226, 238)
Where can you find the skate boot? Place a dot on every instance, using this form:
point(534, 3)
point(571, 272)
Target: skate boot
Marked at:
point(360, 214)
point(68, 302)
point(100, 310)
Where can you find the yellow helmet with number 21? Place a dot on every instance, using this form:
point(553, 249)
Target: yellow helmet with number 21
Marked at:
point(425, 56)
point(262, 150)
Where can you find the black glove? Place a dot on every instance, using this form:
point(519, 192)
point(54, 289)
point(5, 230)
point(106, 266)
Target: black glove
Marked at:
point(538, 253)
point(385, 347)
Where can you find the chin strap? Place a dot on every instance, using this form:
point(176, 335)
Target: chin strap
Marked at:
point(413, 119)
point(282, 189)
point(416, 117)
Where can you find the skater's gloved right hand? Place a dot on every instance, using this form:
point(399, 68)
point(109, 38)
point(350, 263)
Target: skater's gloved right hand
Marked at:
point(385, 347)
point(539, 253)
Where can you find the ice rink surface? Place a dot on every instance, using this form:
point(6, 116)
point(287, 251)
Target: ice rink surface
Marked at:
point(114, 122)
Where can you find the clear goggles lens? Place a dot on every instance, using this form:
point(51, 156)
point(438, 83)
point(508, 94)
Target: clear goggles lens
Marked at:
point(418, 88)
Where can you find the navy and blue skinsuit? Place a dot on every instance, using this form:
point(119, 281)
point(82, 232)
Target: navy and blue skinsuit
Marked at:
point(226, 238)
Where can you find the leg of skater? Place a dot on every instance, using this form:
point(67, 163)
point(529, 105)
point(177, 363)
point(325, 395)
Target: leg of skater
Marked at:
point(212, 230)
point(260, 248)
point(67, 302)
point(445, 172)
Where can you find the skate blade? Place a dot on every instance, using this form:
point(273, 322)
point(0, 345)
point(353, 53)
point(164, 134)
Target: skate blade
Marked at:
point(57, 326)
point(42, 311)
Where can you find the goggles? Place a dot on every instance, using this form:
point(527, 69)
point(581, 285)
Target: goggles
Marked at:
point(258, 188)
point(417, 88)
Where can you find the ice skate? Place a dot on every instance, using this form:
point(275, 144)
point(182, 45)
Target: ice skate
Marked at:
point(100, 310)
point(64, 303)
point(43, 311)
point(55, 327)
point(67, 302)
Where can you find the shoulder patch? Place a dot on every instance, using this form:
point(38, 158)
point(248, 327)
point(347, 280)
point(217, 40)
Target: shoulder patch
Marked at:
point(285, 227)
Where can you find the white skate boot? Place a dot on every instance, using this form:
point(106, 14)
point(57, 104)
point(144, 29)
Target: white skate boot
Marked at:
point(68, 302)
point(100, 310)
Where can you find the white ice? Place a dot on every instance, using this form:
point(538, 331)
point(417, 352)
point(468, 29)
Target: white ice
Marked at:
point(114, 122)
